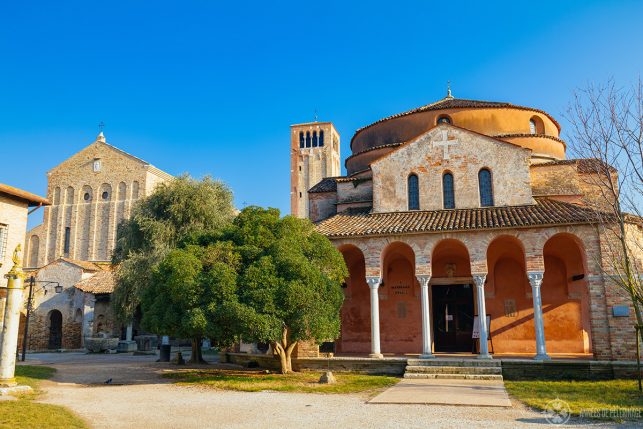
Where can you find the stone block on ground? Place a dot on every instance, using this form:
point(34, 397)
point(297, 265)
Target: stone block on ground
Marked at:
point(127, 346)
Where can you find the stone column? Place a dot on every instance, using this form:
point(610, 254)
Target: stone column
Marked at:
point(374, 284)
point(2, 302)
point(427, 352)
point(128, 332)
point(480, 279)
point(88, 316)
point(11, 326)
point(536, 280)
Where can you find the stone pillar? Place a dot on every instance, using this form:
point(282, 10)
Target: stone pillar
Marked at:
point(480, 279)
point(88, 316)
point(536, 280)
point(11, 326)
point(427, 352)
point(374, 284)
point(2, 302)
point(128, 332)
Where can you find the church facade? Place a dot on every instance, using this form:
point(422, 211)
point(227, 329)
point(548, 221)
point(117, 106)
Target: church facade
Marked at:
point(464, 208)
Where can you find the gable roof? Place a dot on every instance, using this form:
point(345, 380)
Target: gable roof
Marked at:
point(28, 197)
point(101, 282)
point(444, 125)
point(84, 265)
point(546, 212)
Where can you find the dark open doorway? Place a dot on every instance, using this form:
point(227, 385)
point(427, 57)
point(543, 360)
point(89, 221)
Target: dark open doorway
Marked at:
point(55, 330)
point(453, 317)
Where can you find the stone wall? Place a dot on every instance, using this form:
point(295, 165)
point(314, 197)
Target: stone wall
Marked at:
point(467, 154)
point(91, 192)
point(322, 205)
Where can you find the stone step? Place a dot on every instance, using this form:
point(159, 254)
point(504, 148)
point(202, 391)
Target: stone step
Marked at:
point(453, 376)
point(454, 369)
point(454, 362)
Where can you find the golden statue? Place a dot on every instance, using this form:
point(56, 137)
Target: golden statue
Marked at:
point(17, 260)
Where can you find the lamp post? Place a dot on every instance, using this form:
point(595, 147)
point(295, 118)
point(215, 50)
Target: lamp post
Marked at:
point(32, 280)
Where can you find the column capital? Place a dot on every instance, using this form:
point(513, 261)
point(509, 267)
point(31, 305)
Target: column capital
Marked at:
point(373, 282)
point(535, 278)
point(479, 279)
point(424, 280)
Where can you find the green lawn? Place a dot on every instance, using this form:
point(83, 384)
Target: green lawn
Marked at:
point(25, 413)
point(256, 381)
point(616, 396)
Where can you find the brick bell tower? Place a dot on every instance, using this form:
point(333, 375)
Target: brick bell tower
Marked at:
point(314, 155)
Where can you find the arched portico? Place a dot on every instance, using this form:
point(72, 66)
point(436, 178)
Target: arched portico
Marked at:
point(355, 334)
point(399, 301)
point(565, 296)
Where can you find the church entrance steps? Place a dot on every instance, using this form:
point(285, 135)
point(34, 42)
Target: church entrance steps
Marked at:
point(448, 376)
point(434, 369)
point(453, 369)
point(455, 362)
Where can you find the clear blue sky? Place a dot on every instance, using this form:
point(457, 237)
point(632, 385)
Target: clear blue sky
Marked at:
point(212, 87)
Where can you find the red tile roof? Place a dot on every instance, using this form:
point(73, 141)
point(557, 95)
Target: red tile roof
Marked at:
point(546, 212)
point(28, 197)
point(101, 282)
point(583, 165)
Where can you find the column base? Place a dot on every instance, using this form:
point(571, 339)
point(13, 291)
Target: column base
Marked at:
point(8, 382)
point(542, 357)
point(14, 389)
point(427, 356)
point(376, 355)
point(486, 356)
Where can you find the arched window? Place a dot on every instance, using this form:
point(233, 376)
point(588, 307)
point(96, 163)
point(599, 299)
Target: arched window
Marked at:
point(486, 188)
point(536, 125)
point(314, 138)
point(448, 195)
point(321, 138)
point(307, 138)
point(414, 192)
point(301, 139)
point(444, 119)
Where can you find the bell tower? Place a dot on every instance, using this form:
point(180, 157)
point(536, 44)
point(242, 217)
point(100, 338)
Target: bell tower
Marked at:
point(314, 155)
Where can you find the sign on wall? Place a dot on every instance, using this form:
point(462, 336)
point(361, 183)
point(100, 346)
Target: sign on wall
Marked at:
point(476, 327)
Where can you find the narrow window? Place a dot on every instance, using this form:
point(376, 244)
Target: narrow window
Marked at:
point(444, 119)
point(3, 241)
point(532, 126)
point(301, 139)
point(321, 138)
point(414, 192)
point(447, 191)
point(315, 139)
point(307, 138)
point(67, 238)
point(486, 188)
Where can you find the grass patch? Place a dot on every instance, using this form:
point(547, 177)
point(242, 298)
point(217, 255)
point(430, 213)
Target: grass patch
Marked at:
point(303, 382)
point(620, 397)
point(25, 413)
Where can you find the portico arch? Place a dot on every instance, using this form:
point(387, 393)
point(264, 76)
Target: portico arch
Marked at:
point(399, 294)
point(565, 296)
point(355, 336)
point(452, 297)
point(509, 299)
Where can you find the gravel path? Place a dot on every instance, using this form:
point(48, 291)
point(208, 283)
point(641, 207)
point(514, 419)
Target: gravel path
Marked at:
point(150, 401)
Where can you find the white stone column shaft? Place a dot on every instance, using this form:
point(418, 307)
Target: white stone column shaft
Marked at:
point(536, 280)
point(427, 351)
point(480, 279)
point(10, 329)
point(374, 284)
point(128, 332)
point(88, 316)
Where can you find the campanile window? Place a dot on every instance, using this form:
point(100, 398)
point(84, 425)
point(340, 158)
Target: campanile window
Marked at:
point(414, 192)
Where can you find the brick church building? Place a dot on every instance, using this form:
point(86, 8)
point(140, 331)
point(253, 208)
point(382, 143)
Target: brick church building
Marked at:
point(460, 208)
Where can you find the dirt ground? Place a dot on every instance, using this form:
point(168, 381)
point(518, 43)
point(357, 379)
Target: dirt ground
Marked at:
point(139, 397)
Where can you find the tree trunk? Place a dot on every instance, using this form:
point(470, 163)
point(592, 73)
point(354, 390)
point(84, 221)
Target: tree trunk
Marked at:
point(197, 355)
point(284, 350)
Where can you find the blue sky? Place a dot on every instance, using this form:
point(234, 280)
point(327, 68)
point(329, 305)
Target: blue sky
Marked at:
point(211, 88)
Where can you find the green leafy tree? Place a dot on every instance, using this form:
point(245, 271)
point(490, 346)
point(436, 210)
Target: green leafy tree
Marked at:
point(174, 214)
point(289, 282)
point(193, 295)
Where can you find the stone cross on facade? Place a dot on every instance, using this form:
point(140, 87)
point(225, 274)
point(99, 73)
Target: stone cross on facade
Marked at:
point(445, 143)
